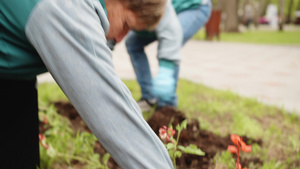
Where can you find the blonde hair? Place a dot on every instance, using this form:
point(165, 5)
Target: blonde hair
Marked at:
point(148, 12)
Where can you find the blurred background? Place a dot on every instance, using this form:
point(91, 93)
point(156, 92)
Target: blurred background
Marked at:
point(251, 47)
point(238, 15)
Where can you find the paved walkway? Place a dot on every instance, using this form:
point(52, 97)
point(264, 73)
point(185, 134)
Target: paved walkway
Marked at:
point(270, 73)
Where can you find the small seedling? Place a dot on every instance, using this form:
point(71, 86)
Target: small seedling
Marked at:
point(240, 146)
point(175, 151)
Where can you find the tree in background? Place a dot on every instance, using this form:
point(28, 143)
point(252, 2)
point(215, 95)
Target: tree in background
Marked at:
point(231, 10)
point(281, 15)
point(290, 7)
point(261, 7)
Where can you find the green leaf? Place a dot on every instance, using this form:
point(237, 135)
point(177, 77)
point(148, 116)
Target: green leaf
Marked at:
point(171, 153)
point(177, 154)
point(178, 128)
point(192, 149)
point(170, 146)
point(51, 151)
point(105, 158)
point(95, 158)
point(184, 124)
point(181, 148)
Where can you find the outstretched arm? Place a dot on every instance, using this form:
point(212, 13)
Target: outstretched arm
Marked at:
point(169, 35)
point(70, 38)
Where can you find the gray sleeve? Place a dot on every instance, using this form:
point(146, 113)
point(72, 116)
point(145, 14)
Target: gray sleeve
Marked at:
point(70, 38)
point(169, 35)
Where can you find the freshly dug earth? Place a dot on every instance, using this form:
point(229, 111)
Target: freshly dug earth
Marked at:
point(207, 141)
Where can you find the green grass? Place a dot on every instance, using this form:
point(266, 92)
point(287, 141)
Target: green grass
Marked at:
point(221, 112)
point(65, 146)
point(258, 37)
point(48, 93)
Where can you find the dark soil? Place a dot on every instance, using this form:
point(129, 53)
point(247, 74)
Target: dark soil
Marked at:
point(207, 141)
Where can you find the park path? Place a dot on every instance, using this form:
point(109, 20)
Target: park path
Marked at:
point(270, 73)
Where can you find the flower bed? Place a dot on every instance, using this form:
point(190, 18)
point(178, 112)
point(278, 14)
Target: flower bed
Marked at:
point(210, 143)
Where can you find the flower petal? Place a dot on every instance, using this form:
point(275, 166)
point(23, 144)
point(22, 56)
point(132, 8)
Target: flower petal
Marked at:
point(232, 149)
point(171, 132)
point(246, 148)
point(235, 139)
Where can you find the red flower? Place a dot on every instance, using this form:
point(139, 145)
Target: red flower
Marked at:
point(237, 140)
point(166, 133)
point(245, 148)
point(241, 145)
point(232, 149)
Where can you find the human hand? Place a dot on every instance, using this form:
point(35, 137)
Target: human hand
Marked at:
point(163, 86)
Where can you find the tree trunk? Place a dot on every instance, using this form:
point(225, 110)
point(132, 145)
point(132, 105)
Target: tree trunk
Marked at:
point(256, 13)
point(263, 6)
point(288, 19)
point(231, 21)
point(217, 4)
point(281, 15)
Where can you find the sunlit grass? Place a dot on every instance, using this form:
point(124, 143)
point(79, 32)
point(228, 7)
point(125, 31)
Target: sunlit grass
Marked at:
point(289, 37)
point(49, 92)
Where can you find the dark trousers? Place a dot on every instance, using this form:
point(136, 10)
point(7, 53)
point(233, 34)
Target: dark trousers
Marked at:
point(19, 142)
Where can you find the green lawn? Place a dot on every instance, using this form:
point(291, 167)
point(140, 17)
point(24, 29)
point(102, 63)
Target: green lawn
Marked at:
point(290, 37)
point(222, 112)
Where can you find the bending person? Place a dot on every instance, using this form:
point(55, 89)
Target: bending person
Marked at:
point(68, 39)
point(172, 33)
